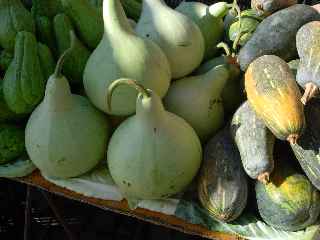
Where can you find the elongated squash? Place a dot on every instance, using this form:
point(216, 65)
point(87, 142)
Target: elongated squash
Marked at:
point(275, 96)
point(46, 59)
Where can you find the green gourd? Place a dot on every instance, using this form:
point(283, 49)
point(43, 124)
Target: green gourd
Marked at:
point(222, 186)
point(141, 60)
point(46, 59)
point(6, 58)
point(65, 135)
point(289, 201)
point(221, 9)
point(96, 3)
point(197, 99)
point(132, 8)
point(267, 7)
point(46, 8)
point(24, 83)
point(177, 35)
point(44, 32)
point(308, 45)
point(86, 19)
point(76, 61)
point(163, 158)
point(20, 167)
point(255, 143)
point(6, 114)
point(14, 18)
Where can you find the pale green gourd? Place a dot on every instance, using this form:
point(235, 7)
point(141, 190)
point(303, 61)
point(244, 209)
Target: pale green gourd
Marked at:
point(178, 36)
point(153, 154)
point(65, 136)
point(197, 99)
point(122, 53)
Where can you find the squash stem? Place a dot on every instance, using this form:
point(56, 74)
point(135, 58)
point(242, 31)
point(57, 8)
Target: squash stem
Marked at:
point(264, 177)
point(293, 138)
point(225, 47)
point(125, 81)
point(310, 91)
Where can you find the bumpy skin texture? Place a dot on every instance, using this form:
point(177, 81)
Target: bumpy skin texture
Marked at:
point(267, 7)
point(46, 59)
point(14, 18)
point(254, 140)
point(275, 96)
point(24, 83)
point(308, 45)
point(222, 185)
point(308, 145)
point(276, 36)
point(289, 202)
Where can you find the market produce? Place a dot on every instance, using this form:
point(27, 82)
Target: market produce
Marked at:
point(177, 35)
point(132, 8)
point(289, 201)
point(14, 18)
point(5, 113)
point(222, 187)
point(197, 99)
point(163, 158)
point(294, 65)
point(267, 7)
point(24, 83)
point(46, 8)
point(276, 36)
point(5, 59)
point(65, 136)
point(46, 59)
point(76, 60)
point(307, 148)
point(220, 9)
point(21, 167)
point(86, 19)
point(141, 60)
point(44, 32)
point(255, 143)
point(308, 45)
point(96, 3)
point(275, 97)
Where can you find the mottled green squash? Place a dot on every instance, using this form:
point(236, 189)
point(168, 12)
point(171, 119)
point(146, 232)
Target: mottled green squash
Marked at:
point(307, 148)
point(289, 201)
point(255, 143)
point(46, 59)
point(5, 59)
point(222, 188)
point(44, 32)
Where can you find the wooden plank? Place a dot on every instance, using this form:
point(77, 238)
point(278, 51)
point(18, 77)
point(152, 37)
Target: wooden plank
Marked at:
point(36, 180)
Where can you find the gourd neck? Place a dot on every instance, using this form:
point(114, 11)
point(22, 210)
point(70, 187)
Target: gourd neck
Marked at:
point(215, 79)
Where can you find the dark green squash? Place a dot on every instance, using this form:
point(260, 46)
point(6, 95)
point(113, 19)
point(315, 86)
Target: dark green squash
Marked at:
point(222, 188)
point(307, 148)
point(5, 59)
point(47, 8)
point(46, 59)
point(289, 201)
point(44, 32)
point(276, 34)
point(255, 143)
point(5, 113)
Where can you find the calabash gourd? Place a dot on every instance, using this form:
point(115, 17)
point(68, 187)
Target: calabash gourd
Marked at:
point(307, 148)
point(274, 35)
point(14, 18)
point(20, 167)
point(145, 62)
point(267, 7)
point(255, 143)
point(65, 136)
point(222, 187)
point(5, 59)
point(289, 201)
point(76, 60)
point(197, 99)
point(46, 59)
point(44, 32)
point(308, 45)
point(86, 19)
point(24, 83)
point(166, 153)
point(177, 35)
point(275, 97)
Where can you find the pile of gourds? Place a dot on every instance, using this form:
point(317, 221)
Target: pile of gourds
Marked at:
point(160, 102)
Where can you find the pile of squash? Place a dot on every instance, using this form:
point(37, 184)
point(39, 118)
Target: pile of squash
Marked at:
point(211, 94)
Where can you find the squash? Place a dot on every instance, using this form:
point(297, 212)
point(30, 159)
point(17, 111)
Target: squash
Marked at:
point(275, 97)
point(5, 59)
point(222, 187)
point(267, 7)
point(176, 34)
point(46, 59)
point(14, 18)
point(308, 45)
point(165, 155)
point(255, 143)
point(275, 36)
point(197, 99)
point(24, 83)
point(6, 114)
point(133, 9)
point(289, 201)
point(146, 63)
point(20, 167)
point(76, 61)
point(44, 32)
point(65, 136)
point(46, 8)
point(307, 148)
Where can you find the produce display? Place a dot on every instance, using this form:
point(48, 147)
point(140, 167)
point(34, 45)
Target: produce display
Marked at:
point(168, 101)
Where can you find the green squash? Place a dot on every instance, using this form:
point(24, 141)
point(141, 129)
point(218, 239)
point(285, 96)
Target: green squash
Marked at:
point(289, 201)
point(132, 8)
point(46, 59)
point(164, 157)
point(44, 32)
point(223, 187)
point(6, 58)
point(14, 18)
point(6, 114)
point(46, 8)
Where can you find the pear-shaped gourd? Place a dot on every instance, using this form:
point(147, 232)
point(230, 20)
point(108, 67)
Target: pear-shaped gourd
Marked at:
point(65, 136)
point(154, 153)
point(178, 36)
point(197, 99)
point(121, 53)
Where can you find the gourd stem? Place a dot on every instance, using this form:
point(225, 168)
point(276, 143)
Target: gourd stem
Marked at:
point(125, 81)
point(225, 47)
point(264, 177)
point(293, 138)
point(310, 91)
point(58, 69)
